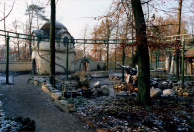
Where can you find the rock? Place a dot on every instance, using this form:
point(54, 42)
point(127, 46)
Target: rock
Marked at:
point(155, 92)
point(163, 85)
point(56, 95)
point(160, 70)
point(104, 90)
point(168, 92)
point(30, 81)
point(155, 79)
point(128, 92)
point(110, 76)
point(186, 94)
point(134, 94)
point(122, 93)
point(97, 85)
point(95, 92)
point(175, 84)
point(170, 84)
point(135, 89)
point(179, 82)
point(63, 102)
point(186, 84)
point(190, 83)
point(155, 83)
point(180, 93)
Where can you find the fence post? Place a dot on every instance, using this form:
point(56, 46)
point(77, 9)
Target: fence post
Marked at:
point(67, 60)
point(107, 55)
point(150, 60)
point(173, 63)
point(183, 59)
point(156, 61)
point(123, 62)
point(158, 65)
point(7, 61)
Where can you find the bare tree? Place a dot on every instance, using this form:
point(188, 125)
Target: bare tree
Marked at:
point(5, 15)
point(16, 41)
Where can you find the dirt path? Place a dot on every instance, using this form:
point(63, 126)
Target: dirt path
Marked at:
point(27, 100)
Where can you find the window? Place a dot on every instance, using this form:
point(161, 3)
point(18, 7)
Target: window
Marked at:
point(65, 41)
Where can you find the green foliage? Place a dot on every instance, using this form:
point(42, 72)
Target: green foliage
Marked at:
point(38, 11)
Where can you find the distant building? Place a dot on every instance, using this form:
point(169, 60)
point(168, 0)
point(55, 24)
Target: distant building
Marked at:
point(41, 49)
point(189, 62)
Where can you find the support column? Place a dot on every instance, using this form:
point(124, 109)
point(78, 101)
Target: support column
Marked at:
point(7, 61)
point(183, 64)
point(107, 55)
point(52, 44)
point(150, 60)
point(67, 60)
point(156, 61)
point(123, 63)
point(191, 67)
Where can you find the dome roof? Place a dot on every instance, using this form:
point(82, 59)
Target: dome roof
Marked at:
point(58, 25)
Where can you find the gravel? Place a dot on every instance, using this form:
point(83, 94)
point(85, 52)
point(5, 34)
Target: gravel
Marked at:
point(27, 100)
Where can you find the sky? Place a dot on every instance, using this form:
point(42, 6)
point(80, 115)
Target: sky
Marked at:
point(76, 15)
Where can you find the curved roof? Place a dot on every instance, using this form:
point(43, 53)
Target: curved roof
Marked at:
point(58, 25)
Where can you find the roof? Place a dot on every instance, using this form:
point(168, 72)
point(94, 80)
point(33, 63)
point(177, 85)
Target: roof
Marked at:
point(58, 25)
point(44, 31)
point(189, 53)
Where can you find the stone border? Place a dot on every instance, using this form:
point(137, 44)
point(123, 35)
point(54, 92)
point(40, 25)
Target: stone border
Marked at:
point(55, 94)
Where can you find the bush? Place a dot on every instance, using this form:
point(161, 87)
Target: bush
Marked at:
point(23, 124)
point(27, 124)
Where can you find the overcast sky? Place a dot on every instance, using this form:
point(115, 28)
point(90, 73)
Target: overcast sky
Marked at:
point(74, 14)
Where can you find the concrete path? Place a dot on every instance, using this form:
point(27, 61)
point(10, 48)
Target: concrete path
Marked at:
point(27, 100)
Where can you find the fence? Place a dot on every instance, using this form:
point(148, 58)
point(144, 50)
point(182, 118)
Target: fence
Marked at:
point(112, 44)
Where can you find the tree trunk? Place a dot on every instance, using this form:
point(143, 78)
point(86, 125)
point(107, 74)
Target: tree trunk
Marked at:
point(52, 44)
point(178, 33)
point(143, 96)
point(30, 28)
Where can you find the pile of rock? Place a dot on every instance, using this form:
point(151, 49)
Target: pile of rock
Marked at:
point(187, 91)
point(99, 90)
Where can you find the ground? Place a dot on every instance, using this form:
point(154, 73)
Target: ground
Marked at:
point(105, 113)
point(27, 100)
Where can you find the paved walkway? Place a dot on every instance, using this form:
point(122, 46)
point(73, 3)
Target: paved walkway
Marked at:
point(27, 100)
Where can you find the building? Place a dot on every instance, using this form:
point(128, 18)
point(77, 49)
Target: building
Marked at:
point(189, 62)
point(41, 49)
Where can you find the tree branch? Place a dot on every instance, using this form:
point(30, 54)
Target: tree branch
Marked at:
point(9, 12)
